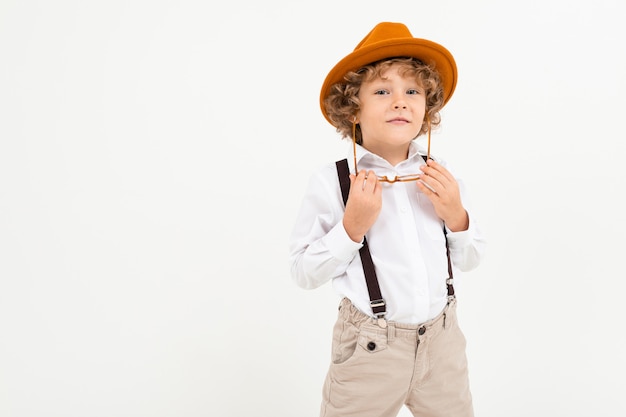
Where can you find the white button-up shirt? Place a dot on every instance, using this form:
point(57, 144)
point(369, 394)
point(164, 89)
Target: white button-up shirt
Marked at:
point(407, 242)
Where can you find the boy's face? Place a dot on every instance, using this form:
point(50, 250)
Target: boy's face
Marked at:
point(392, 112)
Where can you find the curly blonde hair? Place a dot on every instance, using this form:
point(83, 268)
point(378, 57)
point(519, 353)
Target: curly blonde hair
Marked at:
point(342, 103)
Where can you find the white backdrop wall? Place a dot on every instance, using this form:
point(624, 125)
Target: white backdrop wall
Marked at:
point(152, 159)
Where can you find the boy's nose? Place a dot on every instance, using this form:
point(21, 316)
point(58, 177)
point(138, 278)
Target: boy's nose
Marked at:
point(399, 106)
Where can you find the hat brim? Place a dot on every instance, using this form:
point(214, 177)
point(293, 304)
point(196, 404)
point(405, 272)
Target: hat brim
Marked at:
point(426, 51)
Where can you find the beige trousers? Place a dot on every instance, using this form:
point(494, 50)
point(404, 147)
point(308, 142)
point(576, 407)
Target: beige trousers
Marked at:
point(375, 370)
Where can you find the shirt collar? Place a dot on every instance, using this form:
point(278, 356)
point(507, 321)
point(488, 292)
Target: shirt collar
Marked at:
point(368, 160)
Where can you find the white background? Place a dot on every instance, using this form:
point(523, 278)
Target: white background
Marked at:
point(153, 156)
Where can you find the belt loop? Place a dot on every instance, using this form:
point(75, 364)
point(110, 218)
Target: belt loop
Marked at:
point(391, 332)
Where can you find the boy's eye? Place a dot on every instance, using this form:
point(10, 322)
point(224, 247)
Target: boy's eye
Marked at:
point(413, 91)
point(381, 92)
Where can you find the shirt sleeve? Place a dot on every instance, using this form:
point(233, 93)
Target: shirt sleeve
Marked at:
point(467, 248)
point(320, 249)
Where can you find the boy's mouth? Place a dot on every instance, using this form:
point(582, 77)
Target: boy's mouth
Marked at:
point(398, 120)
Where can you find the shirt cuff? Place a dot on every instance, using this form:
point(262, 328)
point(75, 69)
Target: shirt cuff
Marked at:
point(462, 238)
point(339, 243)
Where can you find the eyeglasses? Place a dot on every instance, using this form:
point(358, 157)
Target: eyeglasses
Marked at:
point(401, 178)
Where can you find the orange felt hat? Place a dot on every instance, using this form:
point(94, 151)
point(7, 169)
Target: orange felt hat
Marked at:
point(389, 40)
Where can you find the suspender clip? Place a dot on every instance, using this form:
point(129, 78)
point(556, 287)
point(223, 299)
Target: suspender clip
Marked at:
point(378, 307)
point(450, 284)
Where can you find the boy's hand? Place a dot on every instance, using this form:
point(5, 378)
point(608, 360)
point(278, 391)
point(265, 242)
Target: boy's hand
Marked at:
point(442, 190)
point(364, 204)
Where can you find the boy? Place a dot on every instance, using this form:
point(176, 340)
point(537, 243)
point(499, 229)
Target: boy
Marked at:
point(389, 250)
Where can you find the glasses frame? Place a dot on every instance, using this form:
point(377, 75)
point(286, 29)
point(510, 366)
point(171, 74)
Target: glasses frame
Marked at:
point(384, 178)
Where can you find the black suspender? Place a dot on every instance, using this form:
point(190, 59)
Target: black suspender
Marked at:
point(376, 299)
